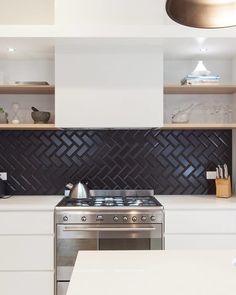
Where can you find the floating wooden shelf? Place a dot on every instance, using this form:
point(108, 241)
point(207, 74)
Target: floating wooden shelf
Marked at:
point(200, 89)
point(27, 89)
point(199, 126)
point(27, 127)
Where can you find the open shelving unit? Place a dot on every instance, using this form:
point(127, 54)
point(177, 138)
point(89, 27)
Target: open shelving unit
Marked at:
point(27, 127)
point(199, 126)
point(27, 89)
point(200, 89)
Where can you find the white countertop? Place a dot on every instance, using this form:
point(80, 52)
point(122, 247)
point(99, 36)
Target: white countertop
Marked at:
point(154, 272)
point(196, 202)
point(29, 203)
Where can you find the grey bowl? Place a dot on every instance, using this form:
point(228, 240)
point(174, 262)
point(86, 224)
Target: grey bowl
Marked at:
point(40, 117)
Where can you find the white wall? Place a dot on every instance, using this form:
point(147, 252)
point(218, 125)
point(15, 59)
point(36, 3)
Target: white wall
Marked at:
point(27, 70)
point(113, 12)
point(26, 12)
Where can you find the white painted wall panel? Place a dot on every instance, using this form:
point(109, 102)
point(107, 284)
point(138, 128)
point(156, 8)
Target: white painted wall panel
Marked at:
point(26, 12)
point(123, 12)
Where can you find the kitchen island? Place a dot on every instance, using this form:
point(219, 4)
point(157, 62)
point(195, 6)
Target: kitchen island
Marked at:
point(154, 272)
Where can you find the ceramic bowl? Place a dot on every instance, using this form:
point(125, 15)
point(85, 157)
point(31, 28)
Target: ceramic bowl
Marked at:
point(40, 117)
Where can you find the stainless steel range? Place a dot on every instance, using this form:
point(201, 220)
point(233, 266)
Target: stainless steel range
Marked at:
point(108, 220)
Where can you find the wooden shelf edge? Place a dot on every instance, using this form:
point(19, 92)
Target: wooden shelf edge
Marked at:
point(28, 127)
point(27, 89)
point(200, 89)
point(199, 126)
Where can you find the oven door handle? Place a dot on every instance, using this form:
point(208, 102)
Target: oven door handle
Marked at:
point(107, 229)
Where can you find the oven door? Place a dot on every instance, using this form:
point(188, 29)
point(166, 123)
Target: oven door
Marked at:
point(72, 238)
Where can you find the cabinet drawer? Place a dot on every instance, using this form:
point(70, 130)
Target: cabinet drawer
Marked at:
point(194, 221)
point(27, 283)
point(26, 253)
point(26, 222)
point(213, 242)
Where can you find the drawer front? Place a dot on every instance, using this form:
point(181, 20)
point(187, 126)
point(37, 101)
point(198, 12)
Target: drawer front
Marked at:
point(212, 242)
point(26, 283)
point(26, 253)
point(26, 222)
point(207, 221)
point(62, 288)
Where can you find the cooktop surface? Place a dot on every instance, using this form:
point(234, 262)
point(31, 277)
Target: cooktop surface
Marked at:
point(113, 201)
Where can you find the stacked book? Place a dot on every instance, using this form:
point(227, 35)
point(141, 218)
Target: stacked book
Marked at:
point(200, 80)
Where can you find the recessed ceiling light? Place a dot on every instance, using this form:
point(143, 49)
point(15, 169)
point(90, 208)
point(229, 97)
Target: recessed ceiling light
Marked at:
point(203, 49)
point(11, 49)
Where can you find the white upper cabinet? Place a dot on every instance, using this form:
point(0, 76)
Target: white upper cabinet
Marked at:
point(109, 84)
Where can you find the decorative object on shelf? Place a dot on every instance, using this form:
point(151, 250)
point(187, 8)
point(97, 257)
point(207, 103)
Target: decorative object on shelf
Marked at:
point(218, 113)
point(208, 14)
point(200, 76)
point(15, 110)
point(3, 116)
point(38, 83)
point(40, 117)
point(223, 182)
point(182, 116)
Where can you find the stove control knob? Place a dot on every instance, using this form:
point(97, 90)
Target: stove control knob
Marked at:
point(115, 218)
point(65, 218)
point(153, 218)
point(134, 218)
point(125, 218)
point(83, 218)
point(144, 218)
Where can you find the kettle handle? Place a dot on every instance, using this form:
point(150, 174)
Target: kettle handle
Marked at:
point(69, 185)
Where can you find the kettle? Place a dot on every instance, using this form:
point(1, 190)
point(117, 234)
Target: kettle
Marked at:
point(78, 190)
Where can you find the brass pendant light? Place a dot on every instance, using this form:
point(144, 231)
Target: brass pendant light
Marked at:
point(207, 14)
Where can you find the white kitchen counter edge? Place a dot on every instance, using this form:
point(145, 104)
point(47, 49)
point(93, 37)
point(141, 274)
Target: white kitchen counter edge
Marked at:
point(30, 203)
point(196, 202)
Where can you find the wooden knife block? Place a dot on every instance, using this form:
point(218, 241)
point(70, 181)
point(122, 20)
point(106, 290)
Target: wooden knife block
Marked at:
point(223, 188)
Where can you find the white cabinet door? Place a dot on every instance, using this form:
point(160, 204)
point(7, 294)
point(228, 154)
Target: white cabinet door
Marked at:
point(26, 253)
point(27, 283)
point(28, 222)
point(200, 221)
point(219, 242)
point(106, 85)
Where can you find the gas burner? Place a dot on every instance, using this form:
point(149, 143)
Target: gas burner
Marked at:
point(108, 201)
point(141, 201)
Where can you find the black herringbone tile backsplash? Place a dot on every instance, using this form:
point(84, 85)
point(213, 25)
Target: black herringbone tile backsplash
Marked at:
point(171, 162)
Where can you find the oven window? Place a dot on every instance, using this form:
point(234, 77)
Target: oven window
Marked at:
point(130, 244)
point(124, 244)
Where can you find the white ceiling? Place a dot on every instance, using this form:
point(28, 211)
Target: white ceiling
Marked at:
point(27, 48)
